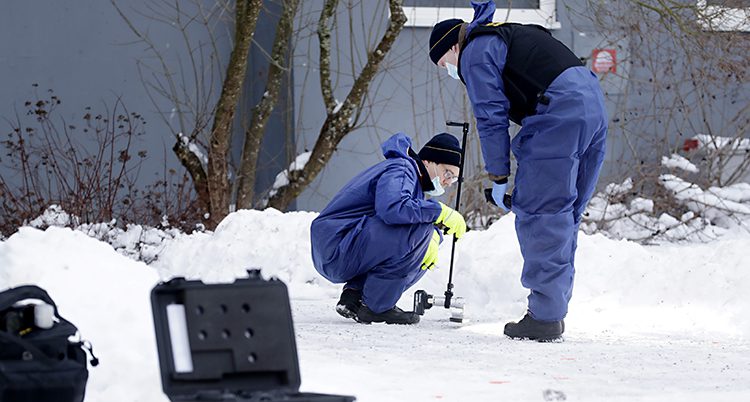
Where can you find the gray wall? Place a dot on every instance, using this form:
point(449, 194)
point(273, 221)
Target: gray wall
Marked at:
point(78, 49)
point(84, 51)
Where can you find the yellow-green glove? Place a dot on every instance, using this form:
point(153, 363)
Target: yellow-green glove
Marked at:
point(452, 220)
point(431, 256)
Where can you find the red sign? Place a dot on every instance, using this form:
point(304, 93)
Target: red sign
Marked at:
point(604, 61)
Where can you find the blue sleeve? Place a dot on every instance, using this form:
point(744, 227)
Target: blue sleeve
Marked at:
point(482, 64)
point(394, 202)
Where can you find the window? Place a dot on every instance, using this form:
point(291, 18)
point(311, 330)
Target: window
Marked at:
point(426, 13)
point(725, 15)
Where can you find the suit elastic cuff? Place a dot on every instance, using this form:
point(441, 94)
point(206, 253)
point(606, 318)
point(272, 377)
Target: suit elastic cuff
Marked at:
point(498, 179)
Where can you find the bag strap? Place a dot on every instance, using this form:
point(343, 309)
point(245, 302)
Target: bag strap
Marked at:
point(37, 353)
point(14, 295)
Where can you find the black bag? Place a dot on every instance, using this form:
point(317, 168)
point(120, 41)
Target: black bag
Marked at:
point(38, 364)
point(228, 342)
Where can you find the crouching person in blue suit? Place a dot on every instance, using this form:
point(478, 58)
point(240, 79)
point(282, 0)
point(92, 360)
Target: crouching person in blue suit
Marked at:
point(378, 235)
point(521, 73)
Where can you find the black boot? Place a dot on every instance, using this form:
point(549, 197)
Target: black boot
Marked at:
point(349, 303)
point(392, 316)
point(529, 328)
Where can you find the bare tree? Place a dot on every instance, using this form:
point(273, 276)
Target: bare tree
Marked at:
point(190, 85)
point(262, 111)
point(218, 179)
point(684, 79)
point(337, 124)
point(215, 178)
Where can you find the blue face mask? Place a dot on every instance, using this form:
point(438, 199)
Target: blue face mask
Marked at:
point(452, 71)
point(439, 190)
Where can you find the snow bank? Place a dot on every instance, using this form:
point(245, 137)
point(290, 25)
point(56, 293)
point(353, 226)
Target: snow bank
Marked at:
point(105, 294)
point(277, 243)
point(628, 300)
point(621, 285)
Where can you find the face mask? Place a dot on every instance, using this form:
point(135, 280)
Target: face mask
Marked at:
point(439, 190)
point(452, 71)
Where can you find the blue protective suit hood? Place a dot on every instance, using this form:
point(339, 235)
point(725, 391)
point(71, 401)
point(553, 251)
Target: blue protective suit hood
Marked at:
point(397, 146)
point(483, 13)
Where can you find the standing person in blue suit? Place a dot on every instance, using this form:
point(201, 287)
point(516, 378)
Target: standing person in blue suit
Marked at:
point(379, 234)
point(520, 73)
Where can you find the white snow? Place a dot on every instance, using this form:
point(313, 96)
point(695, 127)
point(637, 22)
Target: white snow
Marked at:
point(614, 189)
point(194, 148)
point(715, 142)
point(710, 212)
point(282, 178)
point(678, 162)
point(646, 323)
point(54, 215)
point(338, 106)
point(724, 212)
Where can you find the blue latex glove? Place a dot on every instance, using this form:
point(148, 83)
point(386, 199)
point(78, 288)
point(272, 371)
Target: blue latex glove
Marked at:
point(498, 192)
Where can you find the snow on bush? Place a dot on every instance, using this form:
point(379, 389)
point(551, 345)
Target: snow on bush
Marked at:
point(714, 143)
point(620, 213)
point(141, 243)
point(678, 162)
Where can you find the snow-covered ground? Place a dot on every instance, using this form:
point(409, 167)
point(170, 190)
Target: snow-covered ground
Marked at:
point(646, 323)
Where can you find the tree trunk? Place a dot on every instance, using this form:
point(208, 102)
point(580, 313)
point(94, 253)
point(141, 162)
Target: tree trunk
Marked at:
point(193, 165)
point(262, 111)
point(218, 181)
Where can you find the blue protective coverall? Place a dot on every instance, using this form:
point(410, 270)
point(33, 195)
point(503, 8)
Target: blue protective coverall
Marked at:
point(374, 233)
point(559, 152)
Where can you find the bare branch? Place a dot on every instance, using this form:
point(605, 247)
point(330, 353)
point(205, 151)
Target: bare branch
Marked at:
point(324, 36)
point(337, 125)
point(193, 165)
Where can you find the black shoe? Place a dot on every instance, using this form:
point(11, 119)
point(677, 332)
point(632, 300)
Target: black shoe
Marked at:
point(529, 328)
point(349, 303)
point(392, 316)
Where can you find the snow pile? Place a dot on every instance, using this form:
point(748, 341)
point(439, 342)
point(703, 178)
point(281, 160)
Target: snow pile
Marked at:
point(704, 214)
point(723, 206)
point(54, 215)
point(279, 243)
point(628, 299)
point(103, 293)
point(141, 243)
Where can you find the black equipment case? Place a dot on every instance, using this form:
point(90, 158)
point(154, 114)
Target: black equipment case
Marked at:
point(237, 343)
point(39, 364)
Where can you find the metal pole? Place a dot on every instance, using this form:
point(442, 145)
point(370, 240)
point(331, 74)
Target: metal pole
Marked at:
point(465, 125)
